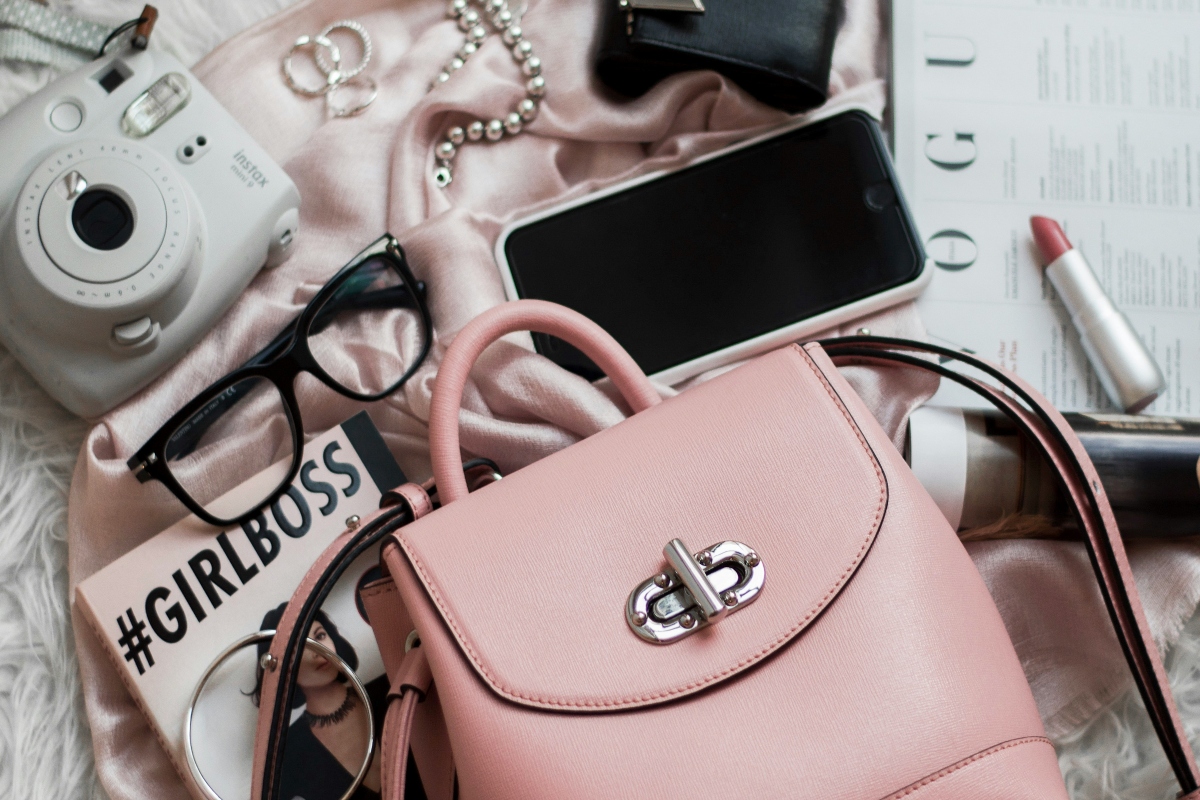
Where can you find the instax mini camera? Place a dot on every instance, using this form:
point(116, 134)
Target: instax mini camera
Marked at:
point(135, 210)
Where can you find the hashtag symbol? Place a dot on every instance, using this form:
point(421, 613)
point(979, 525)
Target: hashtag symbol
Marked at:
point(135, 642)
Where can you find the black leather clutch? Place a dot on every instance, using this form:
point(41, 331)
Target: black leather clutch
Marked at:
point(777, 50)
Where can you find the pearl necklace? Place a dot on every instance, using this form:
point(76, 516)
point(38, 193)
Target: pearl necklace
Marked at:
point(470, 22)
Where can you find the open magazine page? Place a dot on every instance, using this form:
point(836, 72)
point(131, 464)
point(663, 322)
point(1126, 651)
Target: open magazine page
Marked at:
point(1085, 112)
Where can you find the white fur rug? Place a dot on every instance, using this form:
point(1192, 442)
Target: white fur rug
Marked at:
point(45, 750)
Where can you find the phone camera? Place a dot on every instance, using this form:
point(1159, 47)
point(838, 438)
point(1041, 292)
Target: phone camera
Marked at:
point(102, 219)
point(879, 196)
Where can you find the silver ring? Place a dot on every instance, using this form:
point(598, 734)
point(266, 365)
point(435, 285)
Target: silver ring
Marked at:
point(332, 76)
point(350, 111)
point(254, 638)
point(363, 36)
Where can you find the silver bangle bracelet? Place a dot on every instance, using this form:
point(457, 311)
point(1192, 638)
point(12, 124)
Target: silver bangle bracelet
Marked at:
point(253, 639)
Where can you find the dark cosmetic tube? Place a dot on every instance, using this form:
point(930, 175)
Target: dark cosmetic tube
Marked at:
point(983, 473)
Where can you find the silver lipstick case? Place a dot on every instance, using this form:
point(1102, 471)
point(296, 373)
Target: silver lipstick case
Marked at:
point(1126, 369)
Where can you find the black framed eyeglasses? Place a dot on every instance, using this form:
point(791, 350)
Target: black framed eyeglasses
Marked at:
point(363, 335)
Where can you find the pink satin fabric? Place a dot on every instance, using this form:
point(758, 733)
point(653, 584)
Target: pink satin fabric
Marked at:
point(364, 175)
point(1051, 605)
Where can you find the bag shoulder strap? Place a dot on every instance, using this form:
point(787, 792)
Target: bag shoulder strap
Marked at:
point(1049, 430)
point(281, 664)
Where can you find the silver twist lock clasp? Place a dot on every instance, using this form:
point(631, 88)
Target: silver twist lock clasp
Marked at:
point(696, 590)
point(690, 572)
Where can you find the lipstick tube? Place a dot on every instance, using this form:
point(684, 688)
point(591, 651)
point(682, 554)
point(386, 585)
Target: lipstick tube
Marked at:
point(1126, 369)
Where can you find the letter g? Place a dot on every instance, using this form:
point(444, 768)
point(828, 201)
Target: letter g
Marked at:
point(174, 613)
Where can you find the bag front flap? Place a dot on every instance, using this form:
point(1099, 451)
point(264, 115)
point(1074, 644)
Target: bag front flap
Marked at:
point(532, 574)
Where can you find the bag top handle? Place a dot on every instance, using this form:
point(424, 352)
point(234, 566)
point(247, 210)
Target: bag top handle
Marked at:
point(520, 315)
point(1049, 430)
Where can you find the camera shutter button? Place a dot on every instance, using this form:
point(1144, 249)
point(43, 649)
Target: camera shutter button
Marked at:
point(66, 117)
point(135, 332)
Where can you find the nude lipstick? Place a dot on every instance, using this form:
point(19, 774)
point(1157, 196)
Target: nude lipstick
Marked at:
point(1126, 369)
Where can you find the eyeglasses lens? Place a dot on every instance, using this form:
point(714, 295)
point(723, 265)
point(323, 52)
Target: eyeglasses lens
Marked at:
point(370, 332)
point(244, 435)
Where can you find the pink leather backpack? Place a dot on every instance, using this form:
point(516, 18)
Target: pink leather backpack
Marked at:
point(741, 591)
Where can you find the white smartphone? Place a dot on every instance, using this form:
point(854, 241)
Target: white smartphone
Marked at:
point(737, 253)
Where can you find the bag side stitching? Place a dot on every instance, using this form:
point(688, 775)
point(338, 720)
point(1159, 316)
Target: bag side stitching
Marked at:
point(981, 755)
point(708, 680)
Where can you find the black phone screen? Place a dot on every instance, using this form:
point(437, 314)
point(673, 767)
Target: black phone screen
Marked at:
point(725, 250)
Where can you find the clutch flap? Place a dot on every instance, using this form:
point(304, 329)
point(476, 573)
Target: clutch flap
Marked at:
point(779, 51)
point(537, 576)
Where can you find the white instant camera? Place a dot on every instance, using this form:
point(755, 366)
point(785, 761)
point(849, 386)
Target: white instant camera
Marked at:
point(135, 210)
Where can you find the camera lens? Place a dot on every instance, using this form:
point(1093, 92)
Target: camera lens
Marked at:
point(102, 219)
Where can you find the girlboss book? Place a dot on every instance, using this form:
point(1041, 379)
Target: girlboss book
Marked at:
point(168, 608)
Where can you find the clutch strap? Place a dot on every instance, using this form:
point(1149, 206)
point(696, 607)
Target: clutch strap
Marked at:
point(1046, 427)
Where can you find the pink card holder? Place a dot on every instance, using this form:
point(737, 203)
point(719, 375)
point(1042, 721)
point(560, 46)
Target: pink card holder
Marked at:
point(739, 591)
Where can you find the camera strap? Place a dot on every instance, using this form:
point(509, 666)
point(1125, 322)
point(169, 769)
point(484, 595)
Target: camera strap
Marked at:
point(38, 34)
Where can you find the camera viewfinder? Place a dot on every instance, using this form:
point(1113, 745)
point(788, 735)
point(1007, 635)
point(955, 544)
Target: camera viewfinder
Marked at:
point(111, 80)
point(115, 75)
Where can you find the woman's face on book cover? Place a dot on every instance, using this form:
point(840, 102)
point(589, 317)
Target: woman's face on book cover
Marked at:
point(315, 669)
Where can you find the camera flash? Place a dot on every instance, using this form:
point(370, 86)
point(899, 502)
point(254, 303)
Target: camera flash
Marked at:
point(156, 105)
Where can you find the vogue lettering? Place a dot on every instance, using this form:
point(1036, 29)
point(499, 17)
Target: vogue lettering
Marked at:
point(951, 153)
point(213, 574)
